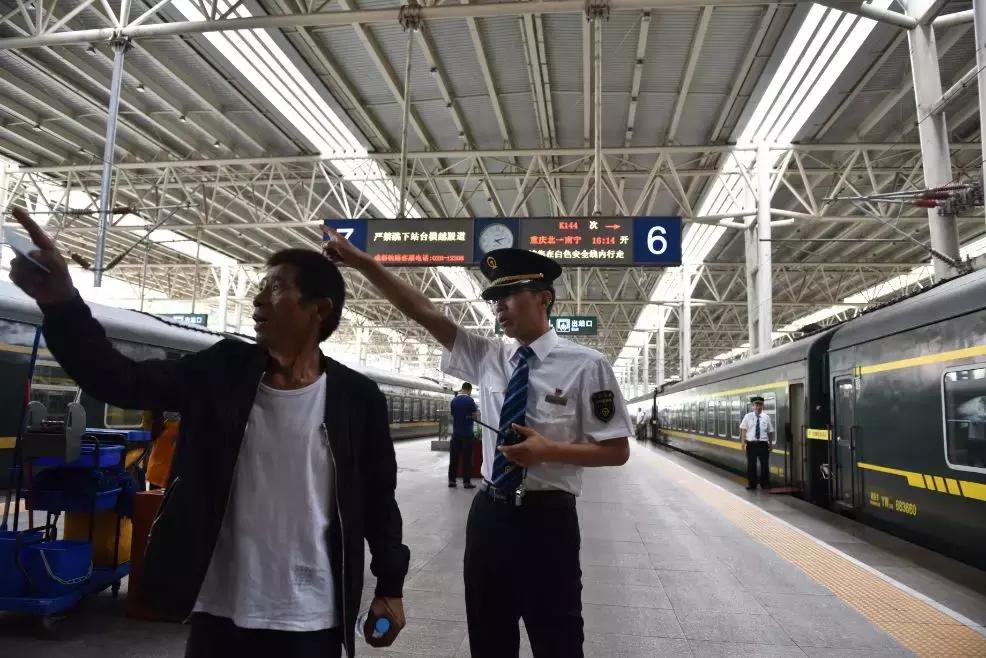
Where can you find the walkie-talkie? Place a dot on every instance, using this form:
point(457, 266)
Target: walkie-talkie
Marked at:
point(510, 438)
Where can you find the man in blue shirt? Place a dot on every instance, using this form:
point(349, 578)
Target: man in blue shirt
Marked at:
point(463, 412)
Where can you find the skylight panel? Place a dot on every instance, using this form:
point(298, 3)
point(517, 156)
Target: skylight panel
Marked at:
point(825, 43)
point(261, 61)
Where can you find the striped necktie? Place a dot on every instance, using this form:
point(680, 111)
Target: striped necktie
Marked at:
point(506, 476)
point(758, 428)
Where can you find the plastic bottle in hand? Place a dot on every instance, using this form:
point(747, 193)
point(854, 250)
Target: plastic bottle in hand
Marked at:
point(381, 626)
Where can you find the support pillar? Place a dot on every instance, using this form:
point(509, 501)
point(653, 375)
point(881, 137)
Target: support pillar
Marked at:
point(751, 253)
point(242, 283)
point(4, 177)
point(979, 23)
point(765, 294)
point(105, 206)
point(685, 323)
point(647, 386)
point(359, 345)
point(933, 135)
point(659, 346)
point(225, 280)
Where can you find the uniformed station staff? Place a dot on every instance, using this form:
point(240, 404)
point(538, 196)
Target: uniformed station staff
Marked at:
point(522, 535)
point(757, 437)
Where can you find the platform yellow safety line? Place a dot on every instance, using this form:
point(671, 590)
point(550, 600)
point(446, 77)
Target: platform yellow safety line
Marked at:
point(911, 621)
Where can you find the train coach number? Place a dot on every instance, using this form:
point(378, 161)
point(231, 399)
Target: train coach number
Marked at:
point(886, 502)
point(906, 508)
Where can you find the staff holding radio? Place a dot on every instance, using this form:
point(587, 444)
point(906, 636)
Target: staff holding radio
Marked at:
point(556, 407)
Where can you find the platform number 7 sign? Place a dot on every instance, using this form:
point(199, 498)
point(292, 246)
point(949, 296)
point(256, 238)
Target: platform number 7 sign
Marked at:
point(354, 230)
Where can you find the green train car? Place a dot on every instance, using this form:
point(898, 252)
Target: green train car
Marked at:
point(881, 418)
point(414, 405)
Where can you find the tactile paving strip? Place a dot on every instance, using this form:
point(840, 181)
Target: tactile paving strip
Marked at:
point(913, 623)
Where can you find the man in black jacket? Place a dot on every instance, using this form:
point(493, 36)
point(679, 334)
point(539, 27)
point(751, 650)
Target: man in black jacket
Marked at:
point(284, 466)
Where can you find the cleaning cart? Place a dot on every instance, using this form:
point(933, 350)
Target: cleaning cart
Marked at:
point(65, 469)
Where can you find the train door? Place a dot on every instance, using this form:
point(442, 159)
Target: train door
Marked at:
point(846, 491)
point(796, 435)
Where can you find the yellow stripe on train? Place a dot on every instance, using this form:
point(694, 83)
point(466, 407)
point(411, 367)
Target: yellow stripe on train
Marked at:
point(974, 490)
point(722, 443)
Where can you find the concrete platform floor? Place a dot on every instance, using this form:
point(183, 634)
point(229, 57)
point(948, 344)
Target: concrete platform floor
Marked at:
point(675, 563)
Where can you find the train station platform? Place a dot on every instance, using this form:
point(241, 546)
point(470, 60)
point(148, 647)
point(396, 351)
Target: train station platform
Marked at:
point(678, 560)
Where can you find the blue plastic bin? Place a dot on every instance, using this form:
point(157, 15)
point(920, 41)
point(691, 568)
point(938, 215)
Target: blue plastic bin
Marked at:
point(12, 581)
point(57, 567)
point(108, 456)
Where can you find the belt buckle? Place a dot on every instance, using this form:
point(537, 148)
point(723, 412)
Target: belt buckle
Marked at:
point(519, 495)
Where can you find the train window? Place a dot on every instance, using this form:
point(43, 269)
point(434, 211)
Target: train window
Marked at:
point(964, 405)
point(701, 417)
point(723, 424)
point(734, 417)
point(117, 418)
point(406, 410)
point(416, 415)
point(770, 406)
point(52, 387)
point(395, 409)
point(711, 423)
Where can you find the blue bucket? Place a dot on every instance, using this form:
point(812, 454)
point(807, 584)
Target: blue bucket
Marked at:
point(12, 583)
point(55, 568)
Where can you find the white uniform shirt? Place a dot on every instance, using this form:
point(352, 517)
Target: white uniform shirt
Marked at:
point(270, 568)
point(749, 424)
point(563, 378)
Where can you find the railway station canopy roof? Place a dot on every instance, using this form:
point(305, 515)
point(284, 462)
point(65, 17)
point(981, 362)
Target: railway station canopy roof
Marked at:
point(245, 123)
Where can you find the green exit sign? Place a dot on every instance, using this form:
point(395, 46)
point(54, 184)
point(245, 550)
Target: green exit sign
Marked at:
point(570, 325)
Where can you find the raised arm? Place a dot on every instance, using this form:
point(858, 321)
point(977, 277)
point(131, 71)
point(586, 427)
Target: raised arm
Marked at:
point(79, 343)
point(409, 301)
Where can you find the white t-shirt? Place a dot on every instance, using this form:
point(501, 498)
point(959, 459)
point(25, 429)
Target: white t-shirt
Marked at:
point(749, 424)
point(270, 568)
point(570, 388)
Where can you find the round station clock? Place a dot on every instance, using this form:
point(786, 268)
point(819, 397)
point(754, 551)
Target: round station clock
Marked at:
point(495, 236)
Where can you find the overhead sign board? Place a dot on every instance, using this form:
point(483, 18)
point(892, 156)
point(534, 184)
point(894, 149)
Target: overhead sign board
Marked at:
point(421, 241)
point(570, 325)
point(589, 241)
point(579, 240)
point(194, 319)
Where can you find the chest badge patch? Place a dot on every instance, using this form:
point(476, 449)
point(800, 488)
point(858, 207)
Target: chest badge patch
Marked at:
point(603, 405)
point(557, 398)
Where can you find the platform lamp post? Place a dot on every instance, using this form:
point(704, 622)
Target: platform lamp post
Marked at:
point(120, 47)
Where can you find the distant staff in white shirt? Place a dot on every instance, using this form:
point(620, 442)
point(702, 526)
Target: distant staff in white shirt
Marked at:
point(757, 437)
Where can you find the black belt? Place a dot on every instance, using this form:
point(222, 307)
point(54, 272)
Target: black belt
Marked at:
point(550, 498)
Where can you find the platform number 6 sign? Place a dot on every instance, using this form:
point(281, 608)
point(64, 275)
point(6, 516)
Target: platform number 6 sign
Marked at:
point(657, 241)
point(657, 244)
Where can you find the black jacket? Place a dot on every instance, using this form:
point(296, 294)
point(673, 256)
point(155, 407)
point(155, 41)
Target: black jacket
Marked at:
point(214, 390)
